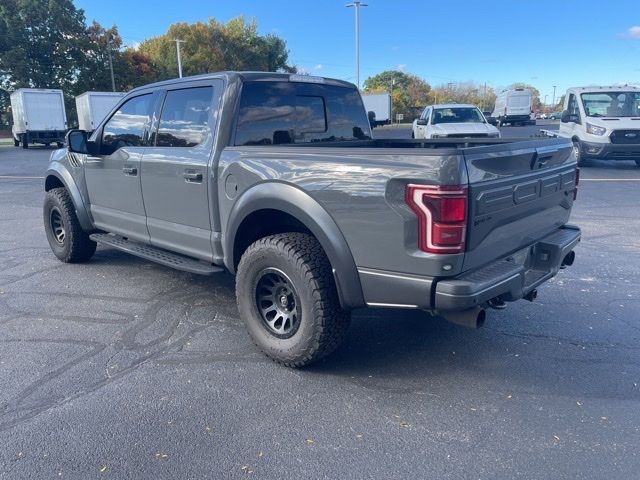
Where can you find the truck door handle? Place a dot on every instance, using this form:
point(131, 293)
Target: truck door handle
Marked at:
point(133, 171)
point(192, 177)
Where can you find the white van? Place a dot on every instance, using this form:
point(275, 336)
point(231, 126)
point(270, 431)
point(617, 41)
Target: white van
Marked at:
point(603, 122)
point(513, 107)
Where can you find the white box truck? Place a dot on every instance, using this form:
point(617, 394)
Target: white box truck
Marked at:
point(603, 123)
point(38, 117)
point(378, 107)
point(92, 107)
point(513, 107)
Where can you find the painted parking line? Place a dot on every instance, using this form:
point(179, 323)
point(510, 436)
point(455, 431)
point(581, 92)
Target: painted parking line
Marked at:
point(19, 177)
point(609, 180)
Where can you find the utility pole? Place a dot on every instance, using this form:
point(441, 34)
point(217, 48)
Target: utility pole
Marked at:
point(554, 96)
point(393, 81)
point(178, 42)
point(356, 5)
point(113, 80)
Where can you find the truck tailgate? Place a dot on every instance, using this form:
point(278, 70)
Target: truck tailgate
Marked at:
point(518, 193)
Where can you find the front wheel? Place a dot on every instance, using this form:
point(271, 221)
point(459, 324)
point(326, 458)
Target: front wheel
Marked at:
point(288, 299)
point(66, 238)
point(576, 153)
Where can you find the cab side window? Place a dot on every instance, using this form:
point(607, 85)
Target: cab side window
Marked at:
point(126, 128)
point(572, 106)
point(184, 121)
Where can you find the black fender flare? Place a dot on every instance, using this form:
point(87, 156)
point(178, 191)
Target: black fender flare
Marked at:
point(300, 205)
point(62, 174)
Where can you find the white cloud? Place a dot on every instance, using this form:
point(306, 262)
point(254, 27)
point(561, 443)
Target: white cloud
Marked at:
point(319, 66)
point(634, 32)
point(402, 67)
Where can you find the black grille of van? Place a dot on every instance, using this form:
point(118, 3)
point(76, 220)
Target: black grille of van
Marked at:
point(625, 136)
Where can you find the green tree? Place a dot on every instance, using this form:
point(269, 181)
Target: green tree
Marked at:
point(466, 92)
point(42, 43)
point(410, 93)
point(214, 46)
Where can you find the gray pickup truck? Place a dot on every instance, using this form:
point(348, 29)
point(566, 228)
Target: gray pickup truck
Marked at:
point(276, 179)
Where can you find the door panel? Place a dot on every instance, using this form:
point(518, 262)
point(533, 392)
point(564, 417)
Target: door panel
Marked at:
point(175, 172)
point(113, 182)
point(113, 177)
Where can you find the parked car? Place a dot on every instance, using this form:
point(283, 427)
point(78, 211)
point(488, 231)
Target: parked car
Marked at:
point(555, 115)
point(38, 117)
point(275, 178)
point(602, 123)
point(513, 107)
point(453, 121)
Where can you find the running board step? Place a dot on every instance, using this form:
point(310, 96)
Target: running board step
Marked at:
point(155, 254)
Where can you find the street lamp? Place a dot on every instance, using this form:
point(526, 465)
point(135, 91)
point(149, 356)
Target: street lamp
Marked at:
point(554, 96)
point(356, 5)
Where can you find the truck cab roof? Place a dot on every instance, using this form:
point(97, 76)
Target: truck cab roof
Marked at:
point(251, 77)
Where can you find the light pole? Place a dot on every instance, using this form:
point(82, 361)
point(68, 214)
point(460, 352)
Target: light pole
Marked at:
point(393, 81)
point(178, 42)
point(545, 100)
point(554, 96)
point(356, 5)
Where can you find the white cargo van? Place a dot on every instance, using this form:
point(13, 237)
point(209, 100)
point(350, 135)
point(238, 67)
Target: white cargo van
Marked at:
point(38, 117)
point(513, 107)
point(92, 107)
point(380, 105)
point(603, 122)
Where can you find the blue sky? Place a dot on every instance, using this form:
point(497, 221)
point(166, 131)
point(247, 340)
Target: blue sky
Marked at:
point(542, 42)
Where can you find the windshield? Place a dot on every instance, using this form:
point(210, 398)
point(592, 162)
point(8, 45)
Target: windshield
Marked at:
point(611, 104)
point(456, 115)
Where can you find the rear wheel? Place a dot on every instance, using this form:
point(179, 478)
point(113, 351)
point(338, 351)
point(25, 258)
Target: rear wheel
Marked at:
point(25, 140)
point(16, 143)
point(288, 299)
point(66, 238)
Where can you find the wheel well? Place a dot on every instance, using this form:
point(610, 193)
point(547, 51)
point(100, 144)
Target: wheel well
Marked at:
point(52, 182)
point(260, 224)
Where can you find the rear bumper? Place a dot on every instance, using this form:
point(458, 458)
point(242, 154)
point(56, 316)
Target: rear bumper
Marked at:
point(610, 151)
point(511, 278)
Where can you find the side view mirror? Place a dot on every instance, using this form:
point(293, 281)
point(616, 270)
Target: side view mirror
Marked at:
point(77, 142)
point(422, 121)
point(567, 117)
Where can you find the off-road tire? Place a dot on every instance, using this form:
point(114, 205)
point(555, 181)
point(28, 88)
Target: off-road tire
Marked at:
point(322, 323)
point(76, 246)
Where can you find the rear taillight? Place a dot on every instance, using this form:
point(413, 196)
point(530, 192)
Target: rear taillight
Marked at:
point(442, 216)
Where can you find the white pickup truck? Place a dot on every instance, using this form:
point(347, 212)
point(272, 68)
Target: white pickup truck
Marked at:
point(453, 121)
point(602, 122)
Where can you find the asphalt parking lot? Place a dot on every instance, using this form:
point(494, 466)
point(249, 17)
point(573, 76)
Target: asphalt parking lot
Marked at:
point(120, 368)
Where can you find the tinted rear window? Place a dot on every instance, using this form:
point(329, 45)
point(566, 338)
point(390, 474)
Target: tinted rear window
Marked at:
point(277, 113)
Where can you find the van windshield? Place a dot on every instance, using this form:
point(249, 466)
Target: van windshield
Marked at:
point(611, 104)
point(456, 115)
